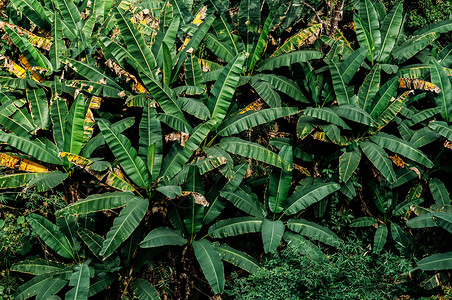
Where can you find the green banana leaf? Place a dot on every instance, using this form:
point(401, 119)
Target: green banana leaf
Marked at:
point(369, 16)
point(440, 79)
point(253, 118)
point(280, 182)
point(224, 89)
point(348, 162)
point(252, 150)
point(286, 86)
point(401, 147)
point(162, 236)
point(143, 290)
point(266, 92)
point(369, 88)
point(33, 56)
point(123, 226)
point(363, 222)
point(412, 46)
point(58, 112)
point(441, 261)
point(92, 240)
point(37, 267)
point(390, 29)
point(379, 158)
point(272, 233)
point(98, 202)
point(211, 265)
point(127, 156)
point(235, 226)
point(245, 201)
point(325, 114)
point(17, 180)
point(380, 238)
point(51, 235)
point(33, 11)
point(80, 281)
point(135, 43)
point(73, 133)
point(238, 258)
point(314, 231)
point(305, 196)
point(286, 60)
point(439, 191)
point(39, 107)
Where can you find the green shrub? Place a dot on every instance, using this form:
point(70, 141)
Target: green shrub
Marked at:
point(301, 272)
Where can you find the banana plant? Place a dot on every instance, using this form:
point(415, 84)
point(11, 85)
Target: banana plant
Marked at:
point(357, 122)
point(269, 218)
point(254, 25)
point(190, 215)
point(81, 270)
point(437, 215)
point(389, 209)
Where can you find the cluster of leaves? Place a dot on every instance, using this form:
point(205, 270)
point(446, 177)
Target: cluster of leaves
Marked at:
point(302, 271)
point(137, 113)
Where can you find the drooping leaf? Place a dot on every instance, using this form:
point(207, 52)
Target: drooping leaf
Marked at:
point(380, 238)
point(37, 267)
point(326, 114)
point(80, 281)
point(401, 239)
point(308, 195)
point(17, 180)
point(252, 150)
point(379, 159)
point(401, 147)
point(441, 261)
point(253, 118)
point(439, 192)
point(32, 287)
point(440, 79)
point(272, 233)
point(123, 226)
point(121, 147)
point(50, 288)
point(238, 258)
point(412, 46)
point(286, 60)
point(51, 235)
point(235, 226)
point(98, 202)
point(162, 236)
point(363, 222)
point(245, 201)
point(211, 265)
point(143, 290)
point(286, 86)
point(314, 231)
point(266, 92)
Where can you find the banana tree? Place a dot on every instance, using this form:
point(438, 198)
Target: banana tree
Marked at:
point(82, 271)
point(389, 208)
point(437, 215)
point(269, 218)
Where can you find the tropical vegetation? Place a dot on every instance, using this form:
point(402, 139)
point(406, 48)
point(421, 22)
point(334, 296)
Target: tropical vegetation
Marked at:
point(249, 149)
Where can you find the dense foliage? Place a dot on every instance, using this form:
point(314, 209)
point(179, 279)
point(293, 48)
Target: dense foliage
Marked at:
point(150, 149)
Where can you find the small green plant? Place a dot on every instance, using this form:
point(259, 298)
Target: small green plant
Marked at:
point(302, 271)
